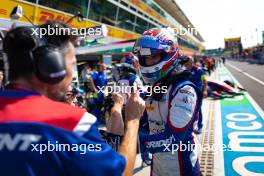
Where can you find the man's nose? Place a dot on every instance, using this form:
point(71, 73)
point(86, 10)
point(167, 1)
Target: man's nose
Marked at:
point(74, 76)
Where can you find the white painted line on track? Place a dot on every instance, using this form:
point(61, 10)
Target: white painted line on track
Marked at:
point(218, 139)
point(219, 169)
point(246, 74)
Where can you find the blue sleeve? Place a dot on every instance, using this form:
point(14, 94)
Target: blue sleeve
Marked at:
point(63, 152)
point(103, 160)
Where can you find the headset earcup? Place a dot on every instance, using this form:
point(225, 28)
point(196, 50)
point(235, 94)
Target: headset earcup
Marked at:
point(49, 64)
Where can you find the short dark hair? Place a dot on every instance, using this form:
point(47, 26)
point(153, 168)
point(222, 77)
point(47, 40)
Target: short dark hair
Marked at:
point(59, 40)
point(18, 42)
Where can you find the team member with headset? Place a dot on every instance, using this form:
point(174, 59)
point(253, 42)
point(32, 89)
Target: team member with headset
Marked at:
point(40, 71)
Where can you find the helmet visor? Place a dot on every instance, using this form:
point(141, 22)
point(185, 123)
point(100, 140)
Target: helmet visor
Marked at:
point(149, 45)
point(153, 59)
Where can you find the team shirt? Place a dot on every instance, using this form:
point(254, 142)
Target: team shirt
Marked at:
point(29, 123)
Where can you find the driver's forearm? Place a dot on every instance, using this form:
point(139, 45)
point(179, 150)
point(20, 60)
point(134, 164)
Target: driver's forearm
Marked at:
point(128, 146)
point(116, 124)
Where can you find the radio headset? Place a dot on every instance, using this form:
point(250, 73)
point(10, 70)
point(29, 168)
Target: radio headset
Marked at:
point(48, 61)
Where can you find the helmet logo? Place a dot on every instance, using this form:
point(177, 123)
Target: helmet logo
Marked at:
point(136, 49)
point(145, 52)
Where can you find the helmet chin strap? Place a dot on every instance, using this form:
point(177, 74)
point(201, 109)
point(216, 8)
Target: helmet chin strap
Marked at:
point(174, 77)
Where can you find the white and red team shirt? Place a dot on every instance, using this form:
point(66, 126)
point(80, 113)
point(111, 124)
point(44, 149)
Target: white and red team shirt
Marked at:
point(28, 119)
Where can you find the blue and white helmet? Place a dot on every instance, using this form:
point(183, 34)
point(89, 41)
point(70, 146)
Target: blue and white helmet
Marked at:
point(155, 42)
point(130, 61)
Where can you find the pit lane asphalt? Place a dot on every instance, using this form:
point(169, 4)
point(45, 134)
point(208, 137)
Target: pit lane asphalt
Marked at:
point(255, 89)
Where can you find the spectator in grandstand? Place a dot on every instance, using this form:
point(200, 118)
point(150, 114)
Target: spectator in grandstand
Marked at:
point(40, 71)
point(198, 78)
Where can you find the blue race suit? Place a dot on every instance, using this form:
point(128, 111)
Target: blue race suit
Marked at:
point(170, 123)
